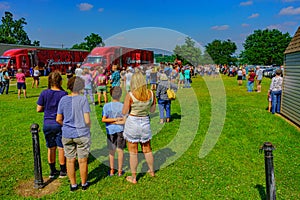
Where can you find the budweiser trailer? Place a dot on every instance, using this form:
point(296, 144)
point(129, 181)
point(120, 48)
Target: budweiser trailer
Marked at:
point(123, 57)
point(44, 58)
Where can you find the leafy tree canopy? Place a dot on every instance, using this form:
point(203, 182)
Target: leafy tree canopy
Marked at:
point(164, 58)
point(91, 41)
point(188, 53)
point(265, 47)
point(12, 31)
point(221, 52)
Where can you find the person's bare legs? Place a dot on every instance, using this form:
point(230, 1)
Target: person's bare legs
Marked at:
point(133, 161)
point(112, 161)
point(19, 93)
point(120, 161)
point(24, 92)
point(83, 168)
point(105, 97)
point(71, 170)
point(146, 147)
point(51, 155)
point(99, 98)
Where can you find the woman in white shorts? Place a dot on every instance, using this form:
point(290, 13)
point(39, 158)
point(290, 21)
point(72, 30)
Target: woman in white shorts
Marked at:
point(138, 104)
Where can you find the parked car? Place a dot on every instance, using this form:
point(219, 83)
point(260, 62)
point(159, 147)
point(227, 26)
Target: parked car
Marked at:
point(271, 73)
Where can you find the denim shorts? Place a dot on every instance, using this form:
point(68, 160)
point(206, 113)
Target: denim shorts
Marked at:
point(53, 135)
point(116, 140)
point(77, 147)
point(137, 129)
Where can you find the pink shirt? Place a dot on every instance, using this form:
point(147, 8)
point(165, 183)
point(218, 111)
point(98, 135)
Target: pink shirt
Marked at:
point(20, 77)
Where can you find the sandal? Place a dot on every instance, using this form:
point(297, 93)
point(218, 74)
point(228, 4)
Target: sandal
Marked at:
point(111, 172)
point(152, 174)
point(121, 173)
point(131, 179)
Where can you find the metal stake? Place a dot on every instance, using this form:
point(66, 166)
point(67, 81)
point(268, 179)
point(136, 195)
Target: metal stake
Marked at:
point(269, 168)
point(38, 181)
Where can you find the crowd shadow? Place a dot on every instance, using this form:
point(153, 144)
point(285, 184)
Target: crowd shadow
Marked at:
point(176, 116)
point(160, 157)
point(262, 191)
point(101, 171)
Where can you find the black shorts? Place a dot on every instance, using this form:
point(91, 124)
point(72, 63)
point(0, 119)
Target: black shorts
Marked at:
point(21, 86)
point(116, 140)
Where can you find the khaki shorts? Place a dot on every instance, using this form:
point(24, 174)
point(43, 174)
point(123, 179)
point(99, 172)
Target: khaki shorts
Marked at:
point(76, 147)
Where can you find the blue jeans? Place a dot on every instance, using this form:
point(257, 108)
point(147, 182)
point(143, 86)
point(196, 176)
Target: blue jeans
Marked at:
point(250, 86)
point(5, 87)
point(90, 93)
point(276, 100)
point(187, 83)
point(164, 105)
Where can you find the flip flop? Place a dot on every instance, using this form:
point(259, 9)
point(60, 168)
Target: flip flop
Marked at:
point(131, 179)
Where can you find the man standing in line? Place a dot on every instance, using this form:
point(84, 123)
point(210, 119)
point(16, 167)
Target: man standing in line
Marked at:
point(259, 76)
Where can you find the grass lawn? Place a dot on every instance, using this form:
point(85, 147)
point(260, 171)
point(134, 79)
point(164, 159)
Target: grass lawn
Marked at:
point(231, 122)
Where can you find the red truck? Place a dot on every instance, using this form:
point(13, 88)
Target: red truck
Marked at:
point(45, 58)
point(117, 55)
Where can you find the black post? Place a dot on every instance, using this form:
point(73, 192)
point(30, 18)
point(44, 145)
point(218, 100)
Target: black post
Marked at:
point(269, 168)
point(38, 178)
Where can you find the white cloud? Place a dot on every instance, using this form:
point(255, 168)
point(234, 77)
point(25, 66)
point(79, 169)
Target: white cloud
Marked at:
point(245, 25)
point(246, 3)
point(101, 9)
point(254, 15)
point(289, 1)
point(4, 5)
point(290, 11)
point(85, 6)
point(220, 28)
point(284, 26)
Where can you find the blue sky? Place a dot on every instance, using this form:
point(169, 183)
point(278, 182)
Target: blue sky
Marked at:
point(57, 23)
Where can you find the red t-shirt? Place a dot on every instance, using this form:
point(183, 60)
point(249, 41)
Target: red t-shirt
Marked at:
point(20, 77)
point(251, 76)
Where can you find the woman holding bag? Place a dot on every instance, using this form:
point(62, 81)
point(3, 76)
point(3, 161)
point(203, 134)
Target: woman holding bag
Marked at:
point(164, 103)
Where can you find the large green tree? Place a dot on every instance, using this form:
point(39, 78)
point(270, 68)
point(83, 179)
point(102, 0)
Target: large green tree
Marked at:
point(91, 41)
point(222, 52)
point(12, 31)
point(265, 47)
point(188, 53)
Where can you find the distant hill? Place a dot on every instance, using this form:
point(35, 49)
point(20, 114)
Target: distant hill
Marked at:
point(159, 51)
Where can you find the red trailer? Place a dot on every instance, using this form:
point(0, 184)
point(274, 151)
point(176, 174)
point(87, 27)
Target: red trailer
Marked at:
point(55, 59)
point(117, 55)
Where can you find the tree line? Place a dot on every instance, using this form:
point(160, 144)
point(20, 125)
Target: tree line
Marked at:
point(262, 47)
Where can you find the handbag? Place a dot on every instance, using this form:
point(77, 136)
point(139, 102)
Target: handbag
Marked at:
point(171, 93)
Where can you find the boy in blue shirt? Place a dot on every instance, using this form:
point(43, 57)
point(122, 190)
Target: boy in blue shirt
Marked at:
point(114, 119)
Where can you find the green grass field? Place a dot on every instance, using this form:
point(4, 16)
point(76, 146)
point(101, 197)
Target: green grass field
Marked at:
point(233, 169)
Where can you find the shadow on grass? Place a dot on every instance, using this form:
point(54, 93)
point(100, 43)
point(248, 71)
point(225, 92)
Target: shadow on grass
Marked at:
point(160, 158)
point(261, 190)
point(97, 174)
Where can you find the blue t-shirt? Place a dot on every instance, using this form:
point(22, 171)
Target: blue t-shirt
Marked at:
point(115, 78)
point(113, 110)
point(187, 74)
point(73, 108)
point(49, 99)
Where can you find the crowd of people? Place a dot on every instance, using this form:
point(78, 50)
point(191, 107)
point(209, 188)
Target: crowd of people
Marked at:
point(67, 122)
point(67, 115)
point(253, 77)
